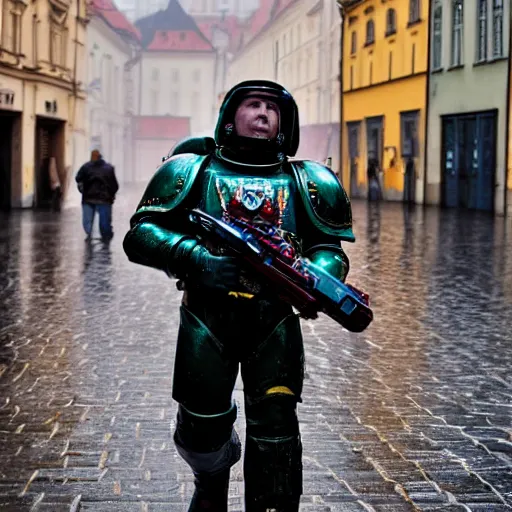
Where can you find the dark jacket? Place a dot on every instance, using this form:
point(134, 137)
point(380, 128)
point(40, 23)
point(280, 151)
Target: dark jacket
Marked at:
point(97, 182)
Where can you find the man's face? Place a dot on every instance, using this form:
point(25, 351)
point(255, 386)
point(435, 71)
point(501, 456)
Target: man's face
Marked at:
point(95, 155)
point(258, 117)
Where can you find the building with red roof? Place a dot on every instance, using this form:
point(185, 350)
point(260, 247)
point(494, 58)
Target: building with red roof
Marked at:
point(177, 84)
point(107, 11)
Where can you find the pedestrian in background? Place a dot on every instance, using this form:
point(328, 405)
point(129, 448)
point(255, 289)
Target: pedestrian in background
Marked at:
point(97, 182)
point(55, 184)
point(374, 186)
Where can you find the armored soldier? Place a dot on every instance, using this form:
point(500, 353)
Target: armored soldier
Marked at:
point(228, 321)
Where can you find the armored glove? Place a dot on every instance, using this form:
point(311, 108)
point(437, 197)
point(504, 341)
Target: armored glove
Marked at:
point(220, 272)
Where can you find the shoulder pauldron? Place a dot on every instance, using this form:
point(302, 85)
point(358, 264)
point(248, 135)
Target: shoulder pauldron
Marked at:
point(326, 202)
point(170, 185)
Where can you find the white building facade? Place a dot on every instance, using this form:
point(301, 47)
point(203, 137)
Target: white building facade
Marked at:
point(113, 61)
point(177, 84)
point(298, 45)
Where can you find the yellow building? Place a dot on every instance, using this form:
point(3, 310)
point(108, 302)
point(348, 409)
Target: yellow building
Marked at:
point(42, 102)
point(385, 55)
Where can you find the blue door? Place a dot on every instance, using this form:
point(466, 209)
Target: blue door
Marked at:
point(469, 161)
point(486, 182)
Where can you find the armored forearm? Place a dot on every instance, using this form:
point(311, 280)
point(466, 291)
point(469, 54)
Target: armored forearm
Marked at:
point(149, 244)
point(332, 259)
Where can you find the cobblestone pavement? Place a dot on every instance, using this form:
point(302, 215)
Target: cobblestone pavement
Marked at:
point(413, 414)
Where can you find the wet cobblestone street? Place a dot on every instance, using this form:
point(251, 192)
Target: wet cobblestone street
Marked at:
point(413, 414)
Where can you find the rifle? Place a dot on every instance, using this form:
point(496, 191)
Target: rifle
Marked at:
point(295, 279)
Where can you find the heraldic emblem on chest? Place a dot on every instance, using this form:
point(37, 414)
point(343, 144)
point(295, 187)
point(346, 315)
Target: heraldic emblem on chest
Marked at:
point(257, 200)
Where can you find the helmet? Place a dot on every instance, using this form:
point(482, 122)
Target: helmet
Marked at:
point(287, 141)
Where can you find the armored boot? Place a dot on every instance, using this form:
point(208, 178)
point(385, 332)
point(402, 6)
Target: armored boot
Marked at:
point(211, 492)
point(273, 456)
point(210, 446)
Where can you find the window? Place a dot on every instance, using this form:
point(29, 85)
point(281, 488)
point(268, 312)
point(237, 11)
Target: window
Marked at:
point(390, 22)
point(370, 32)
point(175, 75)
point(497, 25)
point(196, 75)
point(414, 11)
point(353, 43)
point(155, 74)
point(55, 46)
point(175, 107)
point(35, 37)
point(11, 28)
point(117, 86)
point(437, 40)
point(196, 105)
point(457, 32)
point(481, 48)
point(154, 103)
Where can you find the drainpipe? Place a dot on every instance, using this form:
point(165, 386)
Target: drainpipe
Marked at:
point(342, 124)
point(75, 100)
point(427, 103)
point(507, 114)
point(136, 55)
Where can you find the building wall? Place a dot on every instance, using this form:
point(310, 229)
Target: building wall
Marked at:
point(179, 84)
point(388, 100)
point(287, 52)
point(469, 87)
point(385, 77)
point(40, 67)
point(301, 50)
point(112, 97)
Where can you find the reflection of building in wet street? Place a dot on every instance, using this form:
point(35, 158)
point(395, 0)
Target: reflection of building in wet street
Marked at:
point(384, 94)
point(469, 93)
point(412, 414)
point(113, 47)
point(42, 107)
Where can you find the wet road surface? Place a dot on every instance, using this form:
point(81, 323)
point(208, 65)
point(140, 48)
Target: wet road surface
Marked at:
point(413, 414)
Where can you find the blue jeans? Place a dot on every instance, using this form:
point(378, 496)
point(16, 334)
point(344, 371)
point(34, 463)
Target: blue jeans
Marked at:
point(105, 213)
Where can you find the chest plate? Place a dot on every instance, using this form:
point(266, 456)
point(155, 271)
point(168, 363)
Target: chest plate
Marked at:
point(260, 200)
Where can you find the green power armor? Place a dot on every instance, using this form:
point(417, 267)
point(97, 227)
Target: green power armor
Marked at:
point(227, 321)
